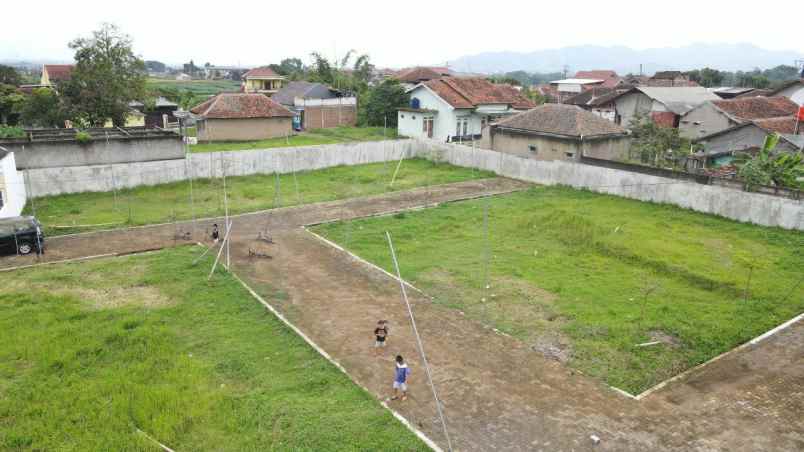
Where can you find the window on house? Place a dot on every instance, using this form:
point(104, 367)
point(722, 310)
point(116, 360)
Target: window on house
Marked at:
point(458, 127)
point(465, 126)
point(532, 148)
point(1, 199)
point(569, 154)
point(414, 117)
point(402, 116)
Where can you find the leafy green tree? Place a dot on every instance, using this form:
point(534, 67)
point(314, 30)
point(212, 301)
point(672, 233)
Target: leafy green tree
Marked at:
point(107, 76)
point(291, 67)
point(656, 145)
point(707, 77)
point(43, 108)
point(321, 70)
point(11, 103)
point(363, 69)
point(381, 102)
point(9, 76)
point(780, 169)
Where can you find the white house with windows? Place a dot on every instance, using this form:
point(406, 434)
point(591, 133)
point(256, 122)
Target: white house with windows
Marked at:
point(457, 109)
point(12, 186)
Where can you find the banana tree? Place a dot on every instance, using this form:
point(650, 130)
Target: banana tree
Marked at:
point(780, 169)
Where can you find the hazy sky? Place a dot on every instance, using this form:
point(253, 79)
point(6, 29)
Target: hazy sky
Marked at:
point(394, 34)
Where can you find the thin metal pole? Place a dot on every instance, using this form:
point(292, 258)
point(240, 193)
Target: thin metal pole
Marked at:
point(486, 248)
point(190, 174)
point(393, 178)
point(295, 180)
point(225, 209)
point(419, 341)
point(223, 245)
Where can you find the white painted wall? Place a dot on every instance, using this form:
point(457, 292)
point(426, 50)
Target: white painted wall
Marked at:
point(726, 202)
point(76, 179)
point(12, 186)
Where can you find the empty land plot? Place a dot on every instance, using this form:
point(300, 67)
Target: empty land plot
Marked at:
point(91, 352)
point(163, 203)
point(585, 278)
point(308, 138)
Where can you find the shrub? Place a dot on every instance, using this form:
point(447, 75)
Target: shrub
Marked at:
point(11, 132)
point(83, 137)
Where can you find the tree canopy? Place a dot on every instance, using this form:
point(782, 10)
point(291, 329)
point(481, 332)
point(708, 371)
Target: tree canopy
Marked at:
point(107, 77)
point(9, 76)
point(381, 102)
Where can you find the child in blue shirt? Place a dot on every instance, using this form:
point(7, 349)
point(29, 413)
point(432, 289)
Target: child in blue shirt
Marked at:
point(401, 374)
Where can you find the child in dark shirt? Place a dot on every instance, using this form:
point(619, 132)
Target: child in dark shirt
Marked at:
point(380, 335)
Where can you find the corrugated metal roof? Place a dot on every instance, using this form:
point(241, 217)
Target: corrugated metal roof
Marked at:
point(679, 99)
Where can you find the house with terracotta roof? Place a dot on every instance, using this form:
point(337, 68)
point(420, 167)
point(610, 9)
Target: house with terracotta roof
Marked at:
point(610, 78)
point(411, 77)
point(557, 132)
point(241, 117)
point(457, 109)
point(598, 100)
point(262, 80)
point(52, 74)
point(716, 115)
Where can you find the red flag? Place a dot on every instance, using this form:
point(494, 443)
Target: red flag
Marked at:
point(801, 113)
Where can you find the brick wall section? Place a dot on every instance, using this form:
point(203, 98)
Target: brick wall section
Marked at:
point(343, 115)
point(664, 118)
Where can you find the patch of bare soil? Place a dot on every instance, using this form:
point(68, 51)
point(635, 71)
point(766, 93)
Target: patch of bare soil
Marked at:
point(103, 290)
point(664, 338)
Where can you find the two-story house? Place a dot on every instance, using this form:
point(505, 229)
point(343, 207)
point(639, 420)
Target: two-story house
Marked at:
point(457, 109)
point(262, 80)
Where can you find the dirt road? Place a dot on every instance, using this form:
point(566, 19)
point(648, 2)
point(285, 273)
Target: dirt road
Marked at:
point(498, 394)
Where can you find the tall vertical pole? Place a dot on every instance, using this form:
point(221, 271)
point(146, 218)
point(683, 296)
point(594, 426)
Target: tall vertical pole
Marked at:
point(486, 247)
point(419, 341)
point(225, 210)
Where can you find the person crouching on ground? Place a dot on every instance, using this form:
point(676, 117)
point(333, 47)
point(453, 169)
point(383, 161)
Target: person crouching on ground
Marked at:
point(401, 374)
point(215, 233)
point(380, 335)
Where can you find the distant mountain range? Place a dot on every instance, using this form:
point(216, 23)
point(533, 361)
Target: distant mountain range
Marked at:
point(624, 60)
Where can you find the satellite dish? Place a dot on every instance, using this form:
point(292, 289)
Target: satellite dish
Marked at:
point(415, 103)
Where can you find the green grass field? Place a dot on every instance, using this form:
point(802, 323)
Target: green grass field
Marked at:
point(90, 352)
point(162, 203)
point(196, 87)
point(590, 276)
point(307, 138)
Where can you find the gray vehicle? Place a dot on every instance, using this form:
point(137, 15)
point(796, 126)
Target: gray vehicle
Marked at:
point(21, 235)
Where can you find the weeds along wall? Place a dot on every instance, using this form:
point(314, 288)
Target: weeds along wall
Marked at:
point(726, 202)
point(76, 179)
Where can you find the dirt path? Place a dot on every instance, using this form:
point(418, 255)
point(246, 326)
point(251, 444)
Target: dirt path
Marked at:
point(497, 393)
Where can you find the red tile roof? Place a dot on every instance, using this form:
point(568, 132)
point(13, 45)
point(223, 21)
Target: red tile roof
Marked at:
point(785, 124)
point(747, 108)
point(261, 72)
point(562, 119)
point(610, 78)
point(58, 72)
point(471, 92)
point(241, 106)
point(421, 74)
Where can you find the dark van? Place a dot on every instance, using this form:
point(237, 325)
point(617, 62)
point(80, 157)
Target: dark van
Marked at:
point(21, 235)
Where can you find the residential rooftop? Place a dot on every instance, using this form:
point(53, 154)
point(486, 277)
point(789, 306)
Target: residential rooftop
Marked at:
point(471, 92)
point(240, 106)
point(561, 119)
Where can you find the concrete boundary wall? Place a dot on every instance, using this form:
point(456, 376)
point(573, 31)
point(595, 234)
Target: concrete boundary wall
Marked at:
point(94, 178)
point(735, 204)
